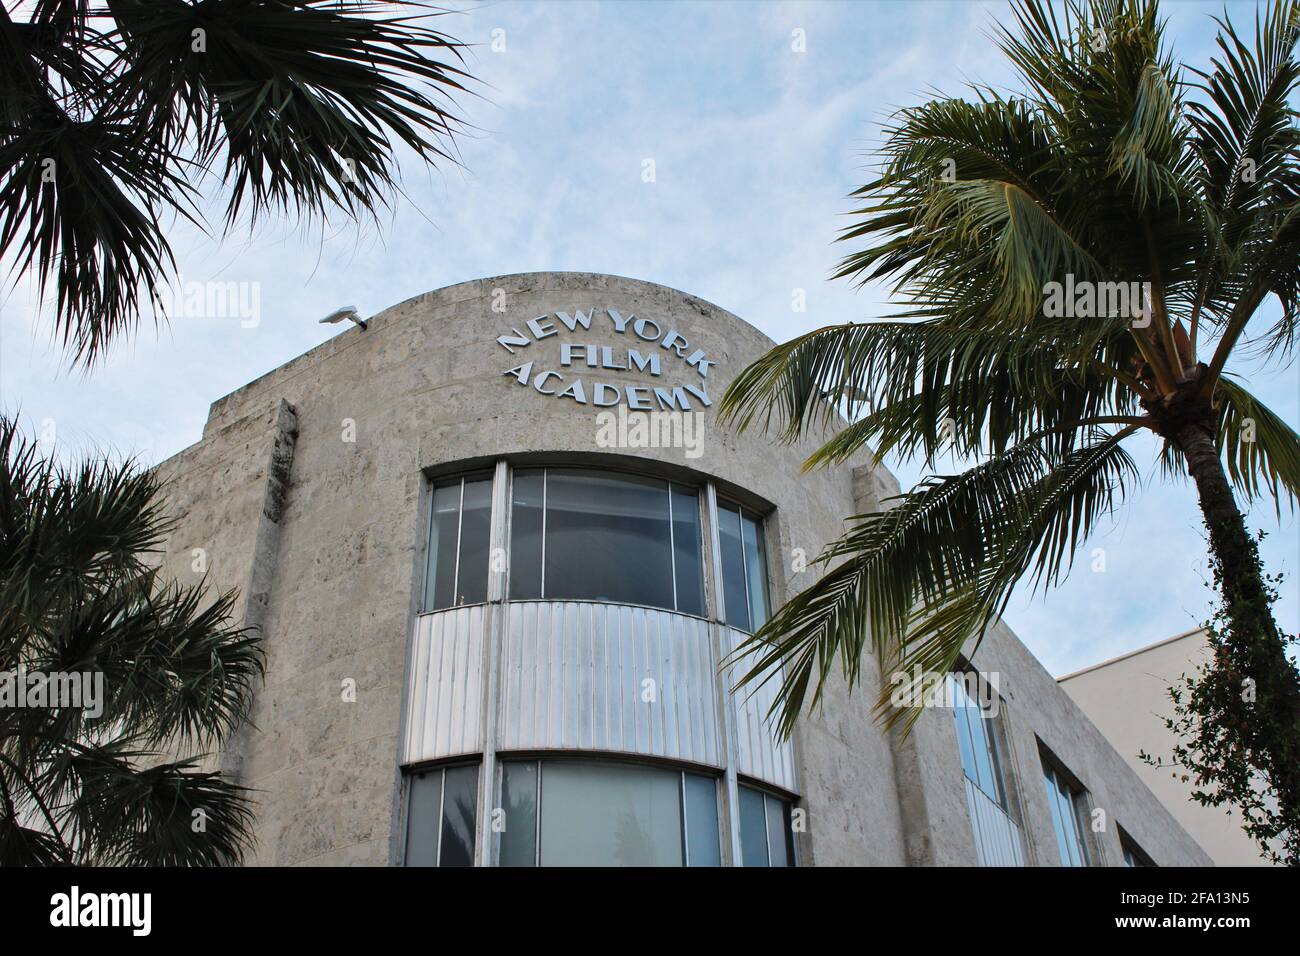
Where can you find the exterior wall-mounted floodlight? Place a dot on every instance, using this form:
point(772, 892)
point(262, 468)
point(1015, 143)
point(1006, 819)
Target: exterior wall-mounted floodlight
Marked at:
point(348, 312)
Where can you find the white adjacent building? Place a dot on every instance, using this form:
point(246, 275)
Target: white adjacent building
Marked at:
point(1127, 697)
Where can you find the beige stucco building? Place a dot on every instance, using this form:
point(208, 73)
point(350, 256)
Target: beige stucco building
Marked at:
point(495, 610)
point(1127, 698)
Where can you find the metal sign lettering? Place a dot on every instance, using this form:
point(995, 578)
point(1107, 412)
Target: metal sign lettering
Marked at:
point(645, 357)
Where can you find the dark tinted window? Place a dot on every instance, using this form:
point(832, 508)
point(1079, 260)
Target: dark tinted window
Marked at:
point(687, 561)
point(744, 567)
point(753, 828)
point(766, 835)
point(519, 801)
point(459, 532)
point(440, 816)
point(526, 535)
point(475, 526)
point(422, 821)
point(444, 533)
point(460, 789)
point(734, 594)
point(584, 535)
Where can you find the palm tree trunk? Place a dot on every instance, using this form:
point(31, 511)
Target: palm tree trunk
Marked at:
point(1254, 643)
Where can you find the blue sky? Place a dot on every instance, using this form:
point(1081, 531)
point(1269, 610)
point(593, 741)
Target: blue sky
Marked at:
point(755, 147)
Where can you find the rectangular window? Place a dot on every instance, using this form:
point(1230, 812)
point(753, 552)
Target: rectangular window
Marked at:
point(977, 738)
point(744, 567)
point(766, 835)
point(457, 561)
point(700, 799)
point(977, 720)
point(1069, 806)
point(441, 810)
point(584, 535)
point(596, 813)
point(1134, 855)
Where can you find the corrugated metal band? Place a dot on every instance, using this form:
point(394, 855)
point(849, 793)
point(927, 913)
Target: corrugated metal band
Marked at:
point(998, 841)
point(580, 676)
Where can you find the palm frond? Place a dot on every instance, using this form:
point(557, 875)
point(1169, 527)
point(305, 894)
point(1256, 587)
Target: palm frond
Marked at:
point(1247, 145)
point(1262, 452)
point(110, 125)
point(80, 594)
point(925, 576)
point(930, 387)
point(170, 814)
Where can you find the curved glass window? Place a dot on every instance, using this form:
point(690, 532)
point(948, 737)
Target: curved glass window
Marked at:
point(440, 816)
point(766, 834)
point(457, 568)
point(744, 567)
point(596, 813)
point(584, 535)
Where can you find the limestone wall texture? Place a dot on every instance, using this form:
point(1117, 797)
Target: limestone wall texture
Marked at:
point(308, 490)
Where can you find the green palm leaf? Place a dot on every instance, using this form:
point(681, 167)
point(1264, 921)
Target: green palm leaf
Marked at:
point(1262, 451)
point(914, 583)
point(80, 594)
point(110, 124)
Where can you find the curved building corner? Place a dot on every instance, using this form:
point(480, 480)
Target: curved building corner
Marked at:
point(499, 549)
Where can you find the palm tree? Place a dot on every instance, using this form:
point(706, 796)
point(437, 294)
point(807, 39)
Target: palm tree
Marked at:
point(1013, 227)
point(113, 119)
point(112, 122)
point(82, 778)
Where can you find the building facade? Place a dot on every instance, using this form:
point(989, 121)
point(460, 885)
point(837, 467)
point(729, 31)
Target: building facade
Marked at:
point(500, 551)
point(1127, 697)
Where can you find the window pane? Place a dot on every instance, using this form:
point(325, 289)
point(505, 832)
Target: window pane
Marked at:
point(424, 795)
point(778, 831)
point(1133, 854)
point(983, 756)
point(519, 800)
point(687, 559)
point(1058, 825)
point(1074, 842)
point(977, 738)
point(440, 577)
point(961, 717)
point(475, 528)
point(756, 570)
point(702, 821)
point(607, 538)
point(1065, 820)
point(526, 536)
point(753, 828)
point(1079, 812)
point(733, 567)
point(610, 815)
point(458, 815)
point(999, 792)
